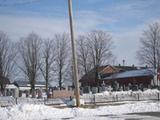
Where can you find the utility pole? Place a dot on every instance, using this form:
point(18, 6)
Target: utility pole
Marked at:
point(75, 68)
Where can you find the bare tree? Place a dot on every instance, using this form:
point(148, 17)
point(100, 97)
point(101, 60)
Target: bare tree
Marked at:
point(100, 45)
point(68, 75)
point(62, 51)
point(149, 52)
point(84, 58)
point(7, 56)
point(29, 49)
point(47, 62)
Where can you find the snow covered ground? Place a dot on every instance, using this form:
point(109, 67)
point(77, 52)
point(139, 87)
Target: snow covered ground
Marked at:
point(110, 112)
point(122, 110)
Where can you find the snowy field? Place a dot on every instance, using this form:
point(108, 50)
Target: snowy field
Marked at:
point(110, 112)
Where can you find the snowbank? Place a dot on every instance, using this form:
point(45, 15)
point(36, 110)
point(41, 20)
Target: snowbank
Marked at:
point(122, 96)
point(33, 112)
point(41, 112)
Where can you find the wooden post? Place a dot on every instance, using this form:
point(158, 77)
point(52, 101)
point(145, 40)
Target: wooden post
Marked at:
point(117, 98)
point(75, 68)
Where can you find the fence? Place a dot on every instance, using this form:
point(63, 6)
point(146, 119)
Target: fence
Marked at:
point(10, 101)
point(58, 97)
point(121, 96)
point(88, 98)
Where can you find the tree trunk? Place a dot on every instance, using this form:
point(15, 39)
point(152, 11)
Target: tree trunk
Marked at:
point(60, 79)
point(96, 77)
point(2, 89)
point(47, 76)
point(33, 90)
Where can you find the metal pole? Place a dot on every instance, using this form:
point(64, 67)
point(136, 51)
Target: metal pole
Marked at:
point(75, 68)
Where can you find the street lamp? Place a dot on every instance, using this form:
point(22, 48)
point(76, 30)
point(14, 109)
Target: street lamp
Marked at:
point(75, 68)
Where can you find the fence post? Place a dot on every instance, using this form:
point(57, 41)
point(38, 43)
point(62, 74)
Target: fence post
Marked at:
point(44, 101)
point(138, 96)
point(117, 98)
point(158, 96)
point(16, 101)
point(94, 97)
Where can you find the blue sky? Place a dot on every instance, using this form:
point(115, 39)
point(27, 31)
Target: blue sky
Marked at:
point(123, 19)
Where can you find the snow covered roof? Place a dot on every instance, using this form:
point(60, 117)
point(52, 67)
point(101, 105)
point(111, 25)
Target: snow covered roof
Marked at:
point(11, 86)
point(26, 83)
point(24, 88)
point(132, 73)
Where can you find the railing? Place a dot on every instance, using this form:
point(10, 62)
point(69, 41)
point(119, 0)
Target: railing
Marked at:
point(113, 97)
point(87, 98)
point(10, 101)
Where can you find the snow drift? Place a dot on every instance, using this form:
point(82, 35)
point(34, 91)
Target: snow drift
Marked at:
point(41, 112)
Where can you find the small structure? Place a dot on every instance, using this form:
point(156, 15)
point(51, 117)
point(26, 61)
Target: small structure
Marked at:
point(24, 88)
point(134, 79)
point(89, 78)
point(118, 77)
point(12, 90)
point(103, 71)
